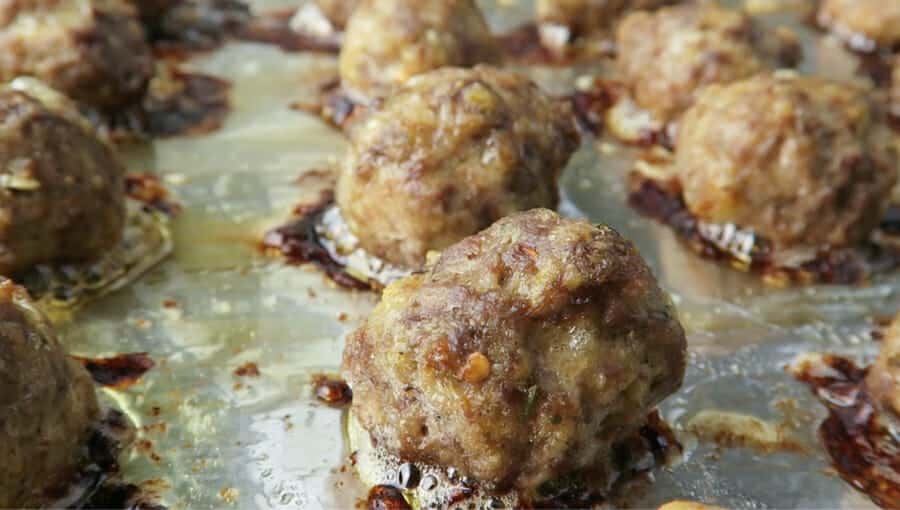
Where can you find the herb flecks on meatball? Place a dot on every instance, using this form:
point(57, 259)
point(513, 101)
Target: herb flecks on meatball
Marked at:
point(523, 355)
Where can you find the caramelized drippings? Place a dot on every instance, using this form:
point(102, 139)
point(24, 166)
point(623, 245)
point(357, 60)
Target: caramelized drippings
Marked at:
point(862, 451)
point(332, 105)
point(386, 497)
point(662, 201)
point(275, 28)
point(200, 26)
point(332, 391)
point(249, 369)
point(193, 104)
point(146, 187)
point(299, 243)
point(121, 371)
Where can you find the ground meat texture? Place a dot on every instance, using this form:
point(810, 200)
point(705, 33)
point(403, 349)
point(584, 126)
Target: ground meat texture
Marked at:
point(414, 36)
point(337, 11)
point(447, 155)
point(94, 51)
point(883, 379)
point(523, 355)
point(61, 188)
point(584, 17)
point(863, 23)
point(666, 57)
point(803, 161)
point(47, 404)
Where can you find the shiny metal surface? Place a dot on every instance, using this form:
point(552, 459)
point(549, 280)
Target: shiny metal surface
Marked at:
point(264, 442)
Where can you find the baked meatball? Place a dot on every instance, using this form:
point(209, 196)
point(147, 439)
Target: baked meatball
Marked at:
point(93, 51)
point(337, 11)
point(883, 379)
point(803, 161)
point(523, 355)
point(61, 187)
point(48, 407)
point(666, 57)
point(583, 17)
point(413, 36)
point(450, 153)
point(865, 24)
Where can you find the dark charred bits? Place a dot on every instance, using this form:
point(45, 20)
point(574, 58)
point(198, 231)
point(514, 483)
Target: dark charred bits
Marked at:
point(386, 497)
point(275, 28)
point(121, 371)
point(590, 105)
point(196, 25)
point(146, 187)
point(299, 243)
point(332, 391)
point(332, 105)
point(187, 104)
point(249, 369)
point(662, 201)
point(861, 449)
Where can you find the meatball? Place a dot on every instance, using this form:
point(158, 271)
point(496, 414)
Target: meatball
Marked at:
point(62, 195)
point(337, 11)
point(93, 51)
point(667, 56)
point(583, 17)
point(803, 161)
point(865, 24)
point(414, 36)
point(47, 404)
point(883, 379)
point(447, 155)
point(523, 355)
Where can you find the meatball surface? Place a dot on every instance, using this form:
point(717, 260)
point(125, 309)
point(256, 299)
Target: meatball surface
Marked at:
point(337, 11)
point(801, 160)
point(864, 23)
point(447, 155)
point(883, 379)
point(414, 36)
point(62, 195)
point(583, 17)
point(48, 407)
point(523, 355)
point(93, 51)
point(667, 56)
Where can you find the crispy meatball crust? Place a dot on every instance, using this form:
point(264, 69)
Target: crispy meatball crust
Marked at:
point(94, 51)
point(337, 11)
point(413, 36)
point(447, 155)
point(877, 21)
point(61, 188)
point(47, 404)
point(584, 17)
point(801, 160)
point(666, 57)
point(521, 356)
point(883, 379)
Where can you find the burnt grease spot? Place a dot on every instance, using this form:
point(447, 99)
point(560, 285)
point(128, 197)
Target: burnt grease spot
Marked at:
point(332, 391)
point(146, 187)
point(860, 447)
point(662, 202)
point(121, 371)
point(275, 28)
point(186, 104)
point(299, 243)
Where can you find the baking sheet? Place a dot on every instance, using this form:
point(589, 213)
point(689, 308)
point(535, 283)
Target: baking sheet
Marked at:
point(213, 439)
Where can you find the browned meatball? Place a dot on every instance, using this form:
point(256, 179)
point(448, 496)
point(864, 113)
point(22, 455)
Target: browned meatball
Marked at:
point(61, 188)
point(337, 11)
point(801, 160)
point(447, 155)
point(865, 24)
point(47, 404)
point(91, 50)
point(524, 354)
point(667, 56)
point(413, 36)
point(883, 380)
point(583, 17)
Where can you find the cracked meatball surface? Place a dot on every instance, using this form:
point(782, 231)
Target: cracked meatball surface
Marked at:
point(93, 51)
point(801, 160)
point(666, 57)
point(521, 356)
point(447, 155)
point(48, 407)
point(62, 195)
point(414, 36)
point(865, 24)
point(583, 17)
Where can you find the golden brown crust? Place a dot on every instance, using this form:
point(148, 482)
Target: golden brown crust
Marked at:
point(447, 155)
point(523, 355)
point(94, 51)
point(62, 190)
point(865, 24)
point(47, 404)
point(584, 17)
point(883, 380)
point(666, 57)
point(413, 37)
point(803, 161)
